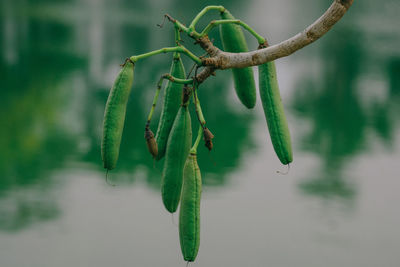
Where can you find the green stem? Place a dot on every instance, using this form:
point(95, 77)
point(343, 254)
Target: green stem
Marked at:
point(171, 78)
point(201, 14)
point(179, 49)
point(199, 112)
point(191, 31)
point(214, 23)
point(178, 25)
point(153, 106)
point(193, 150)
point(177, 80)
point(177, 36)
point(181, 27)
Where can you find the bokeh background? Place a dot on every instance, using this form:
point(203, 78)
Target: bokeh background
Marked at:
point(338, 206)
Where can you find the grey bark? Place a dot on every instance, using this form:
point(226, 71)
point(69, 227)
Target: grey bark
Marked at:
point(224, 60)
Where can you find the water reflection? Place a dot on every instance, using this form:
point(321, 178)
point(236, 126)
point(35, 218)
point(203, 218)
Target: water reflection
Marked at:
point(342, 118)
point(337, 117)
point(393, 69)
point(34, 140)
point(54, 88)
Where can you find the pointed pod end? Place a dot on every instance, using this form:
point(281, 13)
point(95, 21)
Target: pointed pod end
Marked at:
point(170, 207)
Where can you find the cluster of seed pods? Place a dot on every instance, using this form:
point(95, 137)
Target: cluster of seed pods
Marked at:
point(181, 178)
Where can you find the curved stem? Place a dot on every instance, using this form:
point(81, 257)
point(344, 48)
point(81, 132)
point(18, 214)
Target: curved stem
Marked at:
point(193, 150)
point(177, 36)
point(177, 80)
point(163, 77)
point(214, 23)
point(155, 98)
point(179, 49)
point(202, 13)
point(178, 25)
point(199, 112)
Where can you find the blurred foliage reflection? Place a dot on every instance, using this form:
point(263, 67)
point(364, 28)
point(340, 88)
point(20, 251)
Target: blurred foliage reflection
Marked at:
point(58, 60)
point(334, 103)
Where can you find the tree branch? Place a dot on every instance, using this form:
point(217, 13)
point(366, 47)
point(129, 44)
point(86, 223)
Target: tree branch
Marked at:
point(225, 60)
point(204, 74)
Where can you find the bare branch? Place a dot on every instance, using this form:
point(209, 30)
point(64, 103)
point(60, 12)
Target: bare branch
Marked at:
point(208, 46)
point(204, 74)
point(224, 60)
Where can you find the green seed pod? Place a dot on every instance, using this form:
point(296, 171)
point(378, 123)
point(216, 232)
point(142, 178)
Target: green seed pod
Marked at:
point(233, 41)
point(172, 100)
point(178, 147)
point(114, 115)
point(189, 213)
point(274, 113)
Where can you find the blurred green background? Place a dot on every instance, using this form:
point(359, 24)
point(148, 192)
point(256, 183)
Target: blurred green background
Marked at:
point(338, 206)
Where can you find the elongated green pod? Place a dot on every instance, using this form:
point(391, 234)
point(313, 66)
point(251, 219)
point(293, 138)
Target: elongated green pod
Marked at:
point(114, 115)
point(233, 41)
point(178, 147)
point(189, 213)
point(274, 113)
point(172, 100)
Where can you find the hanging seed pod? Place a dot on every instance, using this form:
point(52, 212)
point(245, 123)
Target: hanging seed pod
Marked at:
point(114, 115)
point(151, 142)
point(172, 101)
point(189, 213)
point(178, 147)
point(274, 113)
point(208, 136)
point(233, 41)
